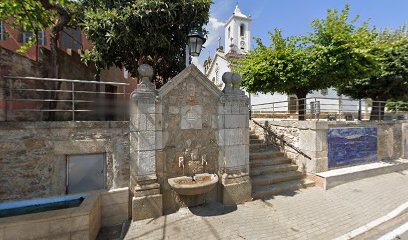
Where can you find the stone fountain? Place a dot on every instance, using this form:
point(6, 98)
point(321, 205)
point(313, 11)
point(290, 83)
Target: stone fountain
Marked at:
point(189, 143)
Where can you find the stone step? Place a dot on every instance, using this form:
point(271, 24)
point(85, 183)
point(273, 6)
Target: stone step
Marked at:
point(268, 162)
point(265, 154)
point(255, 141)
point(262, 170)
point(253, 136)
point(263, 180)
point(274, 189)
point(261, 148)
point(256, 146)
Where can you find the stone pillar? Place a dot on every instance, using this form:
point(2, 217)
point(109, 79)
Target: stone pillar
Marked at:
point(147, 200)
point(233, 139)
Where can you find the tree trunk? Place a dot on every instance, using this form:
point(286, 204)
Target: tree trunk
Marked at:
point(54, 73)
point(377, 111)
point(63, 19)
point(301, 105)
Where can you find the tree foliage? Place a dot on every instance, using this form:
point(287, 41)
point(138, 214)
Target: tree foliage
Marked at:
point(336, 50)
point(27, 15)
point(127, 33)
point(38, 15)
point(348, 50)
point(390, 81)
point(286, 66)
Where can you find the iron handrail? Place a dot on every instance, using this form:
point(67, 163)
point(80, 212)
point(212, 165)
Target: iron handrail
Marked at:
point(64, 80)
point(16, 98)
point(333, 108)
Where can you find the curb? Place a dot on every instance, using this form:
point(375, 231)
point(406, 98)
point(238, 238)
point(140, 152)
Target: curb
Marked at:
point(394, 213)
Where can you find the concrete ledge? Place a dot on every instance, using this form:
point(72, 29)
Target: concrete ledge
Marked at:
point(337, 177)
point(115, 206)
point(236, 192)
point(147, 207)
point(82, 222)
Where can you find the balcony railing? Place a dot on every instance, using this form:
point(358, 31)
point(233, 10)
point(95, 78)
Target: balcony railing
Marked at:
point(49, 99)
point(332, 109)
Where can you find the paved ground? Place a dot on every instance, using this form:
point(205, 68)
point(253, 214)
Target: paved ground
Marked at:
point(307, 214)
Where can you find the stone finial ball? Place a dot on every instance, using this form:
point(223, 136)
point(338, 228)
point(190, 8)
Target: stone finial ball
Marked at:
point(227, 77)
point(236, 79)
point(145, 70)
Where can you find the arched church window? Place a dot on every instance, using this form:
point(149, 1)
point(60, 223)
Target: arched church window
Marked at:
point(229, 32)
point(242, 30)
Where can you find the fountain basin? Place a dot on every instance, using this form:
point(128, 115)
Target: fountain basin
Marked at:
point(196, 185)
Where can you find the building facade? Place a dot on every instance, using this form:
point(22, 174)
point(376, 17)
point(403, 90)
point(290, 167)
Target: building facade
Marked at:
point(69, 39)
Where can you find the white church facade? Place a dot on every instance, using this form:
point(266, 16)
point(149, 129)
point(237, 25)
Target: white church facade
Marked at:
point(237, 39)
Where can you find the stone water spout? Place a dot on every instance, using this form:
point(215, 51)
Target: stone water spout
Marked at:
point(204, 160)
point(181, 163)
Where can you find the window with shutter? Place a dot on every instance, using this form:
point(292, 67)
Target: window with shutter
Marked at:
point(27, 36)
point(42, 38)
point(2, 31)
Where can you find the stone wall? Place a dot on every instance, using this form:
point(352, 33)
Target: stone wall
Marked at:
point(187, 127)
point(311, 138)
point(183, 136)
point(114, 206)
point(33, 155)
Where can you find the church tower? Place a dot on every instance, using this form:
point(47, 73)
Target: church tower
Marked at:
point(237, 44)
point(238, 33)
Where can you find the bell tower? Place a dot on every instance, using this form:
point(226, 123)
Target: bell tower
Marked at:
point(238, 33)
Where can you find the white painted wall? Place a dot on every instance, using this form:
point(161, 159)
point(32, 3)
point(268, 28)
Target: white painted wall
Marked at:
point(223, 66)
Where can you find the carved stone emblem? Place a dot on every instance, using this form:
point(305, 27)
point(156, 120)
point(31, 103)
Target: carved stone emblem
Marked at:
point(191, 91)
point(191, 117)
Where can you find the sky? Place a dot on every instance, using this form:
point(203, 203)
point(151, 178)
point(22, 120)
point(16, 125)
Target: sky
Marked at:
point(293, 17)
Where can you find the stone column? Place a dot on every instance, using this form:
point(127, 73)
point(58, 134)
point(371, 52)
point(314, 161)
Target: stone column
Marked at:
point(147, 200)
point(233, 139)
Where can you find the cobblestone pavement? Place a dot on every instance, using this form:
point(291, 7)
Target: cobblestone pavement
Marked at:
point(306, 214)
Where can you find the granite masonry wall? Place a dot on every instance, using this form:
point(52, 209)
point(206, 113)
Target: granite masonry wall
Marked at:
point(186, 137)
point(189, 118)
point(33, 155)
point(311, 137)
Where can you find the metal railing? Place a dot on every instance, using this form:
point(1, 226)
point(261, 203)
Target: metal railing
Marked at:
point(332, 109)
point(50, 99)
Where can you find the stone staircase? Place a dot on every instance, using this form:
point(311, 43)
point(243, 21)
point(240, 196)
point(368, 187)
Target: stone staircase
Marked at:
point(271, 172)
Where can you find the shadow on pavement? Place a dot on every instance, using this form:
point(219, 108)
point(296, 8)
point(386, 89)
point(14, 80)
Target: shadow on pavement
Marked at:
point(116, 232)
point(212, 209)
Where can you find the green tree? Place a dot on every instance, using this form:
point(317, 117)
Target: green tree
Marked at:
point(390, 82)
point(347, 50)
point(336, 50)
point(37, 15)
point(287, 66)
point(127, 33)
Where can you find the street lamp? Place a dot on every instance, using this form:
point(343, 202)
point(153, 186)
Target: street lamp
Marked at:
point(196, 40)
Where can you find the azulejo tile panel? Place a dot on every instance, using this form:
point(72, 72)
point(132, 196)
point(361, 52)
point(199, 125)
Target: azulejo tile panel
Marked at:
point(351, 146)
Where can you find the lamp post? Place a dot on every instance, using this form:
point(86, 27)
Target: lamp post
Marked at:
point(196, 40)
